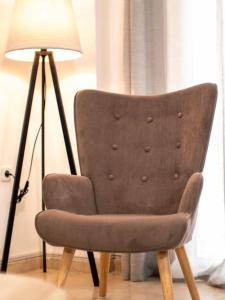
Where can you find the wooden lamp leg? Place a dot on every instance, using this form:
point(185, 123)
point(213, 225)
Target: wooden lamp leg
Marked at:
point(104, 270)
point(188, 275)
point(65, 266)
point(165, 274)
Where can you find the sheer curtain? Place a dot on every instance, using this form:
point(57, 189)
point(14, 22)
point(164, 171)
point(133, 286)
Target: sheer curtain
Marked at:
point(154, 46)
point(195, 55)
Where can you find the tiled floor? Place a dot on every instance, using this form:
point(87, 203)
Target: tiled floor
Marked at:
point(79, 287)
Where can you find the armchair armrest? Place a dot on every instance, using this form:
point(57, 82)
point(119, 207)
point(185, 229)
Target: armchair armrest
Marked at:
point(190, 198)
point(70, 193)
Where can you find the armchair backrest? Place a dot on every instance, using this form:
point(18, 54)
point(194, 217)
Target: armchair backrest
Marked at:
point(139, 151)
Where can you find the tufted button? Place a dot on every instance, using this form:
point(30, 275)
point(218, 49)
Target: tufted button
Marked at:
point(176, 175)
point(147, 148)
point(117, 116)
point(149, 119)
point(180, 115)
point(114, 146)
point(144, 178)
point(111, 176)
point(178, 145)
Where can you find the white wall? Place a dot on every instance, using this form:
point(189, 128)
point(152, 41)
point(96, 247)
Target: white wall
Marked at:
point(14, 80)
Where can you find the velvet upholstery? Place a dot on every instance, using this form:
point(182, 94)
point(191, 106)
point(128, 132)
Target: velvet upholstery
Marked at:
point(78, 198)
point(113, 233)
point(133, 178)
point(141, 160)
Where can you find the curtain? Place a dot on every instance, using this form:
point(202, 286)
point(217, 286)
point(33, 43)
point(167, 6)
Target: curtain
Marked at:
point(155, 46)
point(217, 276)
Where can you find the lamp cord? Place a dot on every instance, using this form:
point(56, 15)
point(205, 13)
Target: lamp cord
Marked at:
point(25, 190)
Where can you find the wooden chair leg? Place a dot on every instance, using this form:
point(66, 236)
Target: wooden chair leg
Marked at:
point(165, 274)
point(65, 265)
point(188, 275)
point(104, 270)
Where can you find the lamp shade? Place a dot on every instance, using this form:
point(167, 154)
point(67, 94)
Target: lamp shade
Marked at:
point(43, 24)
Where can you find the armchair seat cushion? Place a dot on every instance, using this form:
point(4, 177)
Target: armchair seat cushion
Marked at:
point(113, 233)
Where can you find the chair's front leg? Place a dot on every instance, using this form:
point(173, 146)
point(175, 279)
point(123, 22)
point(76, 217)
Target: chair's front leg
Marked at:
point(65, 265)
point(104, 270)
point(165, 274)
point(188, 275)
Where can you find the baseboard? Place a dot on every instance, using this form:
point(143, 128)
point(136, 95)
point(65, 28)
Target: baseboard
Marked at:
point(26, 263)
point(33, 262)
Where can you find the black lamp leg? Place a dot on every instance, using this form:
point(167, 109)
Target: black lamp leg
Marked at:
point(69, 149)
point(19, 165)
point(43, 102)
point(93, 268)
point(62, 114)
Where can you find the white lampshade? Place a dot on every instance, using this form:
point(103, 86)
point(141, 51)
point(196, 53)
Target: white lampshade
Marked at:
point(43, 24)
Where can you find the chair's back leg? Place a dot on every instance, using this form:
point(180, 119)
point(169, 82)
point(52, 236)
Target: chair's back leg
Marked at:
point(188, 275)
point(165, 274)
point(104, 270)
point(65, 265)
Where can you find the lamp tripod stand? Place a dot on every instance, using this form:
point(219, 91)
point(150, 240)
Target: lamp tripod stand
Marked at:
point(14, 198)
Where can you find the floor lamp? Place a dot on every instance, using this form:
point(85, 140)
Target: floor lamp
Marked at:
point(39, 29)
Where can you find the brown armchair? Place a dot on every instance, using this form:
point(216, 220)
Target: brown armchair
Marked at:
point(141, 160)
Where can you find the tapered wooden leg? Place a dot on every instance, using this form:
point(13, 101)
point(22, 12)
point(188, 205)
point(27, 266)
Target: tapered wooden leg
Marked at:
point(165, 274)
point(104, 270)
point(65, 265)
point(188, 275)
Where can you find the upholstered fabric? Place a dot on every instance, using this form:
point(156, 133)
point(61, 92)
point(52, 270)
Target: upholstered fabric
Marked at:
point(141, 159)
point(115, 233)
point(69, 192)
point(140, 151)
point(189, 201)
point(100, 232)
point(191, 194)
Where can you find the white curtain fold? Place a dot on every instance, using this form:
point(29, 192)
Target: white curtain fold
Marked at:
point(154, 46)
